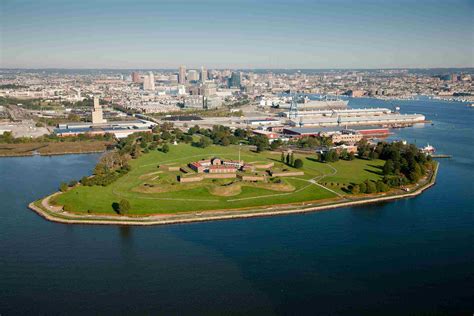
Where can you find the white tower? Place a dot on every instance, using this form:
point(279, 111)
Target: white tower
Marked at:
point(97, 115)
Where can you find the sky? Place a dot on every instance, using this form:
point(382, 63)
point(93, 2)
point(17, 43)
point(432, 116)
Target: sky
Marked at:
point(236, 34)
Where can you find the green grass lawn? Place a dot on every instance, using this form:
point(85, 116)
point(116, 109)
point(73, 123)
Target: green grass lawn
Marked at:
point(196, 196)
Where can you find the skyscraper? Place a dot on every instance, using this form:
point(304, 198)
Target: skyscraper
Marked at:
point(235, 80)
point(193, 75)
point(135, 77)
point(182, 75)
point(203, 76)
point(149, 82)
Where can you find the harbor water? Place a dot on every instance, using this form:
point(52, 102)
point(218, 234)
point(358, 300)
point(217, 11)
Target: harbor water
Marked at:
point(409, 256)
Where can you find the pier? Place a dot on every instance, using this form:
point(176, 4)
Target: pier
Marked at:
point(441, 156)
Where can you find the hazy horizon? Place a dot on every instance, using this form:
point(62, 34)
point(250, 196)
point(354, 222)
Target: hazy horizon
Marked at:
point(245, 34)
point(228, 68)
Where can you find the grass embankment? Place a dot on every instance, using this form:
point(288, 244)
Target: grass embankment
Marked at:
point(151, 192)
point(53, 148)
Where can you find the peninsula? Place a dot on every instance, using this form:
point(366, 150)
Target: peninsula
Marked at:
point(148, 181)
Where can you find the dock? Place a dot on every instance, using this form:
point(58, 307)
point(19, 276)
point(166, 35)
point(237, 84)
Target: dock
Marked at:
point(441, 156)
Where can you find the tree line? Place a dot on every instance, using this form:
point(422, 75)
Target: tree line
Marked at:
point(404, 164)
point(8, 138)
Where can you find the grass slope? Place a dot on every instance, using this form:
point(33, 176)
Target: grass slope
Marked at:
point(198, 197)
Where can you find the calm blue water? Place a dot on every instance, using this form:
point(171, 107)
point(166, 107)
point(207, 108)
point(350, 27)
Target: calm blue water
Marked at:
point(409, 256)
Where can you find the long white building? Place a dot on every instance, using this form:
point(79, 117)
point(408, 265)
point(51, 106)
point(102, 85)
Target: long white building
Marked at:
point(390, 119)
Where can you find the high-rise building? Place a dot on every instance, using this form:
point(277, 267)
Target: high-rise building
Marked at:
point(182, 75)
point(208, 89)
point(203, 76)
point(454, 77)
point(149, 82)
point(181, 90)
point(135, 77)
point(193, 75)
point(235, 80)
point(97, 115)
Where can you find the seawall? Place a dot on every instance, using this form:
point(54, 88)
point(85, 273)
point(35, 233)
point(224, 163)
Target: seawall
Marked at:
point(69, 218)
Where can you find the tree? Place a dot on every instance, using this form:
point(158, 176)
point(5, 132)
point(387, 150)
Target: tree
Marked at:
point(288, 159)
point(381, 187)
point(193, 130)
point(351, 156)
point(388, 167)
point(344, 155)
point(276, 144)
point(166, 135)
point(225, 141)
point(260, 142)
point(355, 189)
point(330, 156)
point(63, 187)
point(241, 133)
point(187, 139)
point(153, 146)
point(282, 158)
point(122, 207)
point(73, 117)
point(298, 163)
point(363, 187)
point(136, 151)
point(308, 142)
point(165, 148)
point(204, 142)
point(373, 155)
point(292, 160)
point(7, 138)
point(371, 187)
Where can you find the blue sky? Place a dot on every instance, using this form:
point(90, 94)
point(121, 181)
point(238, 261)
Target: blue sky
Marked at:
point(236, 34)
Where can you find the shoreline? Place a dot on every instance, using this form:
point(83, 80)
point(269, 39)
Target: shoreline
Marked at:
point(166, 219)
point(53, 148)
point(53, 154)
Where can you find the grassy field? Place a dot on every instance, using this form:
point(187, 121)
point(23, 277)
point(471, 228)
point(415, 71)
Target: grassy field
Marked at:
point(52, 148)
point(150, 190)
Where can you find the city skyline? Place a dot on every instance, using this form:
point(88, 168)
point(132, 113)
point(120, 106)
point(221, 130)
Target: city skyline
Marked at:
point(243, 35)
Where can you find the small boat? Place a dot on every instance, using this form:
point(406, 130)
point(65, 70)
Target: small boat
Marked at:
point(428, 149)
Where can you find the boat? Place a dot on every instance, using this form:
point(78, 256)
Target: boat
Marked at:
point(428, 149)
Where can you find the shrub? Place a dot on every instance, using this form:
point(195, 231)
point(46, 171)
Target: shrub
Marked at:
point(72, 183)
point(122, 207)
point(63, 187)
point(153, 146)
point(298, 163)
point(355, 189)
point(165, 148)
